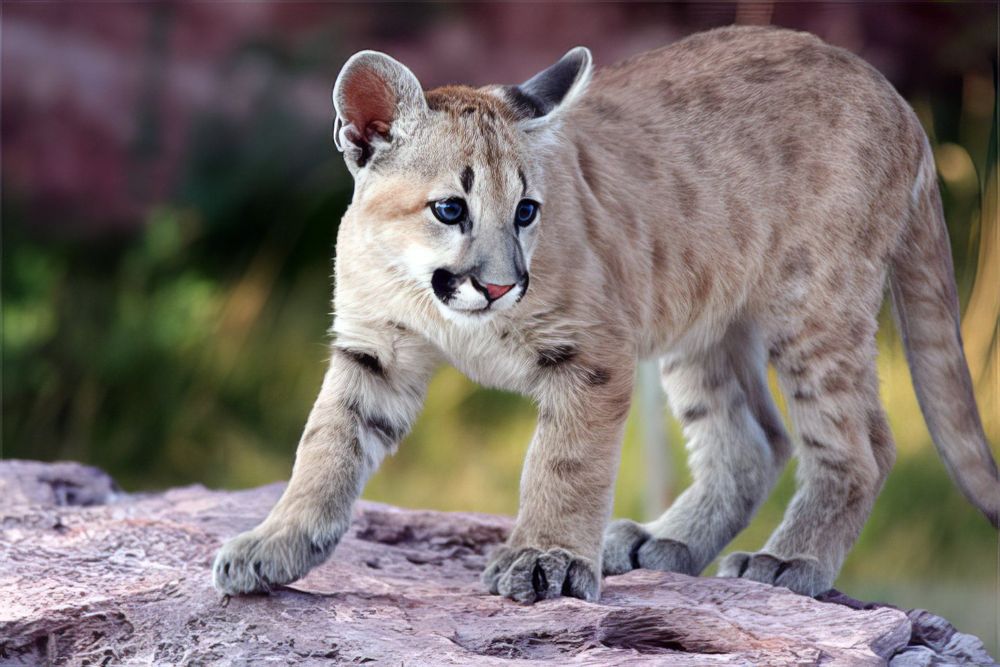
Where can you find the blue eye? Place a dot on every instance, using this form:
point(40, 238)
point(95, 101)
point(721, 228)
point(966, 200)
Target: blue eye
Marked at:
point(526, 212)
point(449, 211)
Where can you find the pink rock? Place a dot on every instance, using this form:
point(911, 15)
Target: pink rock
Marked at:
point(95, 576)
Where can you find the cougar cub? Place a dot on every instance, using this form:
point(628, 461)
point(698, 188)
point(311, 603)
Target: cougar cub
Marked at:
point(735, 200)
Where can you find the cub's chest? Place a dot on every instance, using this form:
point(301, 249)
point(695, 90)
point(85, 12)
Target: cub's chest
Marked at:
point(496, 359)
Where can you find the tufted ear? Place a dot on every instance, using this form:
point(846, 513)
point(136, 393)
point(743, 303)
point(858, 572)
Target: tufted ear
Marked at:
point(544, 96)
point(376, 99)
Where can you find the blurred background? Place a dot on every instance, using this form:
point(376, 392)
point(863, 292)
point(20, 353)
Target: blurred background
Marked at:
point(171, 195)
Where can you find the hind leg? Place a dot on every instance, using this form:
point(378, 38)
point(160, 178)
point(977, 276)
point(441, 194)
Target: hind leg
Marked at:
point(737, 446)
point(845, 451)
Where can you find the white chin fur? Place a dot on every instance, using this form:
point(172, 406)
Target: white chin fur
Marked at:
point(467, 298)
point(469, 304)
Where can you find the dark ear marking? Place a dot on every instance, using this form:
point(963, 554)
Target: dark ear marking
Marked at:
point(525, 105)
point(467, 177)
point(542, 93)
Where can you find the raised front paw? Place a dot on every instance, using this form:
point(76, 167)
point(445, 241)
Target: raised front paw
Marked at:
point(526, 574)
point(264, 557)
point(803, 575)
point(628, 546)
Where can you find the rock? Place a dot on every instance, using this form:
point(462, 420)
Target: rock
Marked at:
point(90, 575)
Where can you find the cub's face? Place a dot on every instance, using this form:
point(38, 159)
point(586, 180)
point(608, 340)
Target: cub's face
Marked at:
point(447, 199)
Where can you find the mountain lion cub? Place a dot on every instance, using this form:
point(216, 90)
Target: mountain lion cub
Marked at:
point(735, 200)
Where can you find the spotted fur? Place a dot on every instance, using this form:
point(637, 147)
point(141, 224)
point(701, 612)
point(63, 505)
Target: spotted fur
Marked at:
point(734, 200)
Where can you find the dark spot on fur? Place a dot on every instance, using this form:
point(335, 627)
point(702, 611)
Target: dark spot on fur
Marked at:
point(758, 153)
point(740, 221)
point(554, 356)
point(759, 71)
point(838, 467)
point(836, 382)
point(807, 55)
point(618, 409)
point(789, 151)
point(837, 419)
point(596, 377)
point(319, 548)
point(716, 378)
point(674, 95)
point(779, 347)
point(605, 107)
point(646, 165)
point(368, 361)
point(659, 254)
point(564, 467)
point(694, 414)
point(711, 99)
point(686, 195)
point(818, 176)
point(798, 262)
point(467, 178)
point(388, 431)
point(357, 450)
point(803, 396)
point(588, 171)
point(881, 441)
point(701, 279)
point(696, 154)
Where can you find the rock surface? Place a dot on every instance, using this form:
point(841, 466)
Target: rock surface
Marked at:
point(90, 575)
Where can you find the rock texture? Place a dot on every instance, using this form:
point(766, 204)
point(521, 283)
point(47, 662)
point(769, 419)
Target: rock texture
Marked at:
point(92, 576)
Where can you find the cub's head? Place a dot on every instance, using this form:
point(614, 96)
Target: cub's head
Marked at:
point(448, 191)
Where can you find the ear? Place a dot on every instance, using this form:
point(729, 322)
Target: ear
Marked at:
point(544, 96)
point(376, 99)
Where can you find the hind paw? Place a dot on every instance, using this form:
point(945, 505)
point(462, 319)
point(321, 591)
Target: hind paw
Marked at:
point(804, 575)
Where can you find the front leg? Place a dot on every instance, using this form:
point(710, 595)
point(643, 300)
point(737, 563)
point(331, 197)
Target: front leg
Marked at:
point(370, 396)
point(568, 483)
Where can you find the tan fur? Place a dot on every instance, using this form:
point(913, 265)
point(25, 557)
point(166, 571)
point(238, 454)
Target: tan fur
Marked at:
point(732, 200)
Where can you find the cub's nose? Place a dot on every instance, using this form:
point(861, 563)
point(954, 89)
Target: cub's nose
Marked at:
point(496, 291)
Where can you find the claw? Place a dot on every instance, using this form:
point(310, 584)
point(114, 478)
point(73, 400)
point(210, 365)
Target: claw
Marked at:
point(527, 575)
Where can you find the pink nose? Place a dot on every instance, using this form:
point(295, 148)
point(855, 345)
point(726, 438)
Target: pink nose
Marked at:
point(497, 291)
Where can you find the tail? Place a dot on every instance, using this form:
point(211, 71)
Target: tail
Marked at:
point(926, 308)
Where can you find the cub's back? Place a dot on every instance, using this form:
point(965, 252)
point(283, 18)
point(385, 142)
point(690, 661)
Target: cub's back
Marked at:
point(745, 129)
